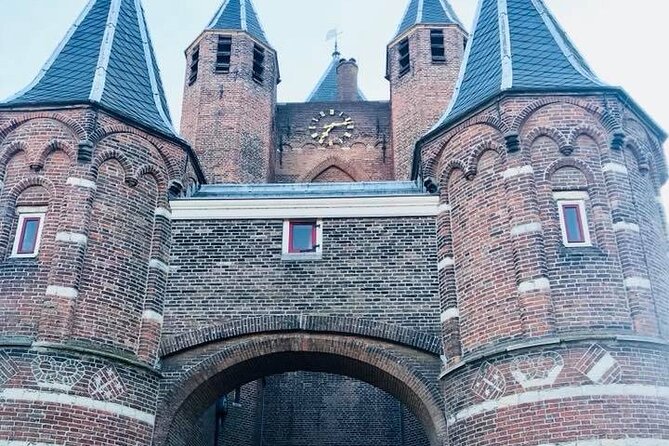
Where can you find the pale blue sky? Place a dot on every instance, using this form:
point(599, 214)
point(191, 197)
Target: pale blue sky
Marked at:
point(627, 43)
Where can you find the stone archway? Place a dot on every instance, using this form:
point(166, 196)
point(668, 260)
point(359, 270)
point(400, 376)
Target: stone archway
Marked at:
point(197, 376)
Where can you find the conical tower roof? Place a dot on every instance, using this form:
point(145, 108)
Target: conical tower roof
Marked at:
point(238, 15)
point(516, 45)
point(107, 59)
point(327, 88)
point(428, 12)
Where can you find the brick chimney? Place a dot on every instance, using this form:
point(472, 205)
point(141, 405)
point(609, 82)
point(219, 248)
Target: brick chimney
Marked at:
point(347, 80)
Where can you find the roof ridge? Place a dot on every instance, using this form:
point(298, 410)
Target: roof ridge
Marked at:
point(238, 15)
point(427, 12)
point(100, 78)
point(149, 56)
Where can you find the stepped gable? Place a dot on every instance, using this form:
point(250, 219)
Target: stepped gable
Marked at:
point(327, 88)
point(428, 12)
point(105, 59)
point(517, 45)
point(238, 15)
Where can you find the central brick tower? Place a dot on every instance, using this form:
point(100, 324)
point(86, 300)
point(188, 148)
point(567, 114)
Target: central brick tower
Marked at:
point(423, 62)
point(230, 96)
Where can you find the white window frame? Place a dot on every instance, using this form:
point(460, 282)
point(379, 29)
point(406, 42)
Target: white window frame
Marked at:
point(583, 215)
point(25, 213)
point(299, 256)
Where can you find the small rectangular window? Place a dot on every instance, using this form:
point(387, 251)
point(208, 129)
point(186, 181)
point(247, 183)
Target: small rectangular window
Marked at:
point(28, 234)
point(302, 239)
point(258, 63)
point(437, 45)
point(223, 54)
point(194, 65)
point(404, 57)
point(574, 223)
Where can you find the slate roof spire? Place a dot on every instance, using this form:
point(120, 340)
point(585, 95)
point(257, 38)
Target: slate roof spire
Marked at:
point(107, 59)
point(516, 45)
point(238, 15)
point(327, 88)
point(429, 12)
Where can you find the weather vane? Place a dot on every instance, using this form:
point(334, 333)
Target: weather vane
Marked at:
point(334, 34)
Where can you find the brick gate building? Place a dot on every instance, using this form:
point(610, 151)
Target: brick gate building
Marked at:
point(481, 260)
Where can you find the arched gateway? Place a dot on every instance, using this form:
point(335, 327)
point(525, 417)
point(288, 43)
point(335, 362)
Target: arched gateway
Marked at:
point(203, 366)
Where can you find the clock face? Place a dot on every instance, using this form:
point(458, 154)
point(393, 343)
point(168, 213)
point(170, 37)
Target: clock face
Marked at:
point(331, 127)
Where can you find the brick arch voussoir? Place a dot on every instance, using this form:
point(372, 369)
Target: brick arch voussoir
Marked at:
point(31, 181)
point(10, 152)
point(156, 173)
point(594, 190)
point(432, 156)
point(642, 153)
point(391, 372)
point(605, 118)
point(553, 134)
point(477, 152)
point(113, 154)
point(448, 170)
point(73, 126)
point(308, 323)
point(105, 132)
point(334, 161)
point(586, 129)
point(53, 146)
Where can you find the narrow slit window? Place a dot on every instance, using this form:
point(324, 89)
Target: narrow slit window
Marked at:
point(437, 45)
point(28, 235)
point(404, 57)
point(194, 65)
point(258, 63)
point(574, 223)
point(223, 54)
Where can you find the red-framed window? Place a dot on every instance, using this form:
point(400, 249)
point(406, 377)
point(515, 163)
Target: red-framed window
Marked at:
point(302, 236)
point(574, 223)
point(28, 235)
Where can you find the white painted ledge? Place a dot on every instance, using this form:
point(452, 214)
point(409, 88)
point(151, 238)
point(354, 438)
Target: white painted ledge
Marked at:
point(272, 209)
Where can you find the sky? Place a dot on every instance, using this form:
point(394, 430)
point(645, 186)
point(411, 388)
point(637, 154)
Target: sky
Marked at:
point(626, 43)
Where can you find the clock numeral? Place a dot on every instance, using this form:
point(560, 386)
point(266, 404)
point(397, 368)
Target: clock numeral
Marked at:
point(314, 135)
point(322, 114)
point(332, 112)
point(350, 127)
point(314, 120)
point(347, 135)
point(341, 114)
point(312, 127)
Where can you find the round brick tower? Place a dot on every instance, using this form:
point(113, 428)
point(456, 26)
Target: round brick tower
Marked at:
point(553, 255)
point(423, 61)
point(86, 163)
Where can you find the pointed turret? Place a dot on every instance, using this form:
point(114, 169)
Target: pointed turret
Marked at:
point(238, 15)
point(231, 63)
point(517, 45)
point(338, 83)
point(423, 62)
point(106, 59)
point(427, 12)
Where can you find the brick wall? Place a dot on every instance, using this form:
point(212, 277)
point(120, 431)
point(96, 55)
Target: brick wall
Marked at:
point(362, 158)
point(381, 269)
